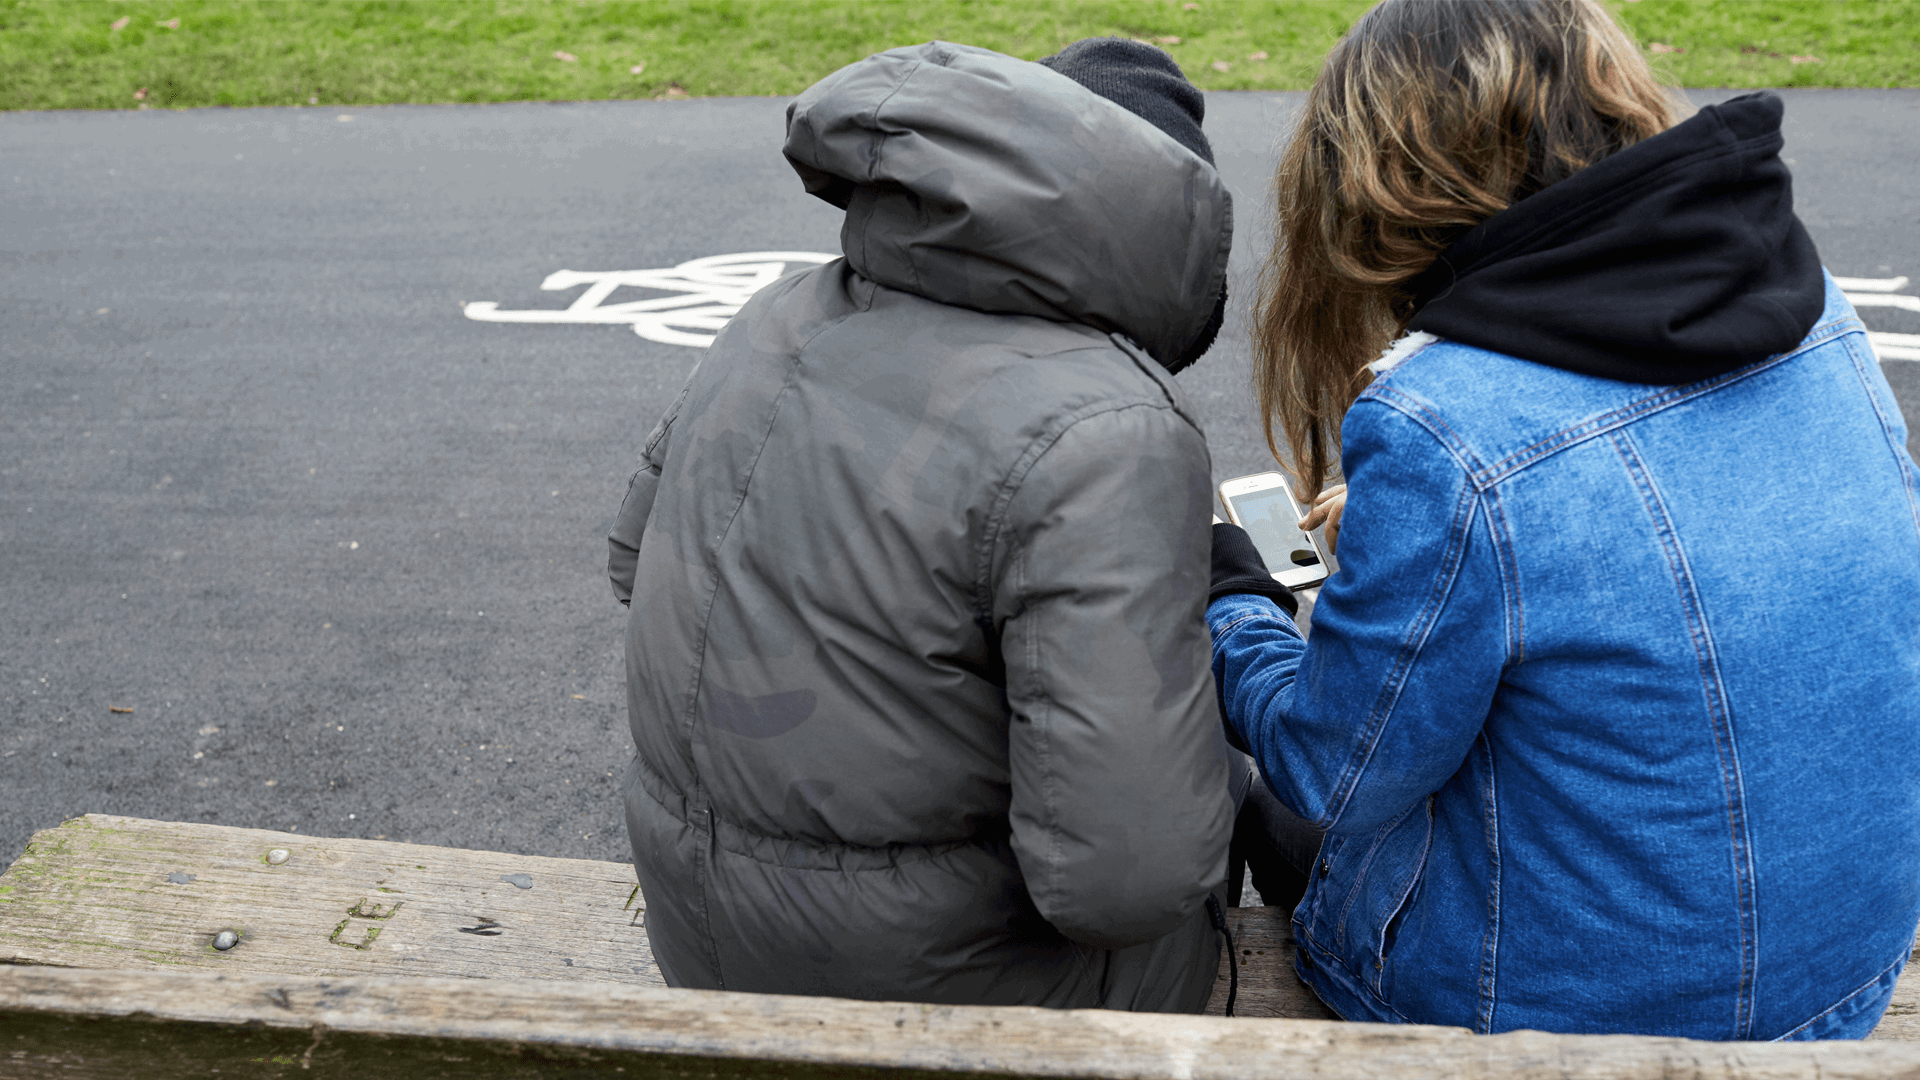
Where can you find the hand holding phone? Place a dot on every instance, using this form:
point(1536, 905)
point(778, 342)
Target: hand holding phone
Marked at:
point(1264, 505)
point(1327, 508)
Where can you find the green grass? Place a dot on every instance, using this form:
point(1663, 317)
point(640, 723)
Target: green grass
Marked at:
point(66, 54)
point(1743, 43)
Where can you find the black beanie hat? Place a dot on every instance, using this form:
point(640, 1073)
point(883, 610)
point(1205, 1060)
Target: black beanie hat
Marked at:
point(1147, 83)
point(1142, 80)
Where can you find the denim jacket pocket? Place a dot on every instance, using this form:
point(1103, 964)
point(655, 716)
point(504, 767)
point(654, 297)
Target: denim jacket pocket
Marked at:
point(1382, 877)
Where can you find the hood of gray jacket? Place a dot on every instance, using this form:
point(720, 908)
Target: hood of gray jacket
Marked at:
point(979, 180)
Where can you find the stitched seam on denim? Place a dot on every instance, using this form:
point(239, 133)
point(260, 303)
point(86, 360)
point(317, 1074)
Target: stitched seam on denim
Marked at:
point(1400, 903)
point(1720, 720)
point(1329, 956)
point(1238, 622)
point(1567, 438)
point(1490, 943)
point(1417, 410)
point(1508, 565)
point(1857, 991)
point(1366, 864)
point(1409, 651)
point(1902, 464)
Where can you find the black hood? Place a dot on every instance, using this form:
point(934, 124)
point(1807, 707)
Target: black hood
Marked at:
point(1674, 260)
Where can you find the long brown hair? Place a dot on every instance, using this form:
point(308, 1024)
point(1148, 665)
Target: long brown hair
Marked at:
point(1429, 117)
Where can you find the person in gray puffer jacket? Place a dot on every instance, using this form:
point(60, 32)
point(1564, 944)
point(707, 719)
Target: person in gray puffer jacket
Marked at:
point(920, 712)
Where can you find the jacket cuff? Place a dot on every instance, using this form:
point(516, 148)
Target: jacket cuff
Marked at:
point(1263, 585)
point(1230, 612)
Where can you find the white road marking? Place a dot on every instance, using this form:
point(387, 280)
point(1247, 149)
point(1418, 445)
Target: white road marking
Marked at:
point(706, 292)
point(710, 291)
point(1880, 292)
point(1911, 303)
point(1890, 346)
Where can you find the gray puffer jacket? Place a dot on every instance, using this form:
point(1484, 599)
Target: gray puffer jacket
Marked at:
point(917, 665)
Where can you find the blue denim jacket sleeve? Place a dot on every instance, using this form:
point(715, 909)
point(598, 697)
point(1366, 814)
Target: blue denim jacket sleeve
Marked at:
point(1409, 637)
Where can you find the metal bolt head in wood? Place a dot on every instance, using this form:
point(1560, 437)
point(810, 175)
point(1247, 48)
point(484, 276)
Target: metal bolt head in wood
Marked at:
point(279, 855)
point(225, 939)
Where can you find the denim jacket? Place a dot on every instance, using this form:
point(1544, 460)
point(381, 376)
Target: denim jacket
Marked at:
point(1612, 712)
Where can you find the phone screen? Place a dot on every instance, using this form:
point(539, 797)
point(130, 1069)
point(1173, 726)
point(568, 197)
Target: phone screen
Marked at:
point(1269, 518)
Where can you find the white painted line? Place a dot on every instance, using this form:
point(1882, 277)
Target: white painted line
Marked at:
point(1870, 284)
point(1879, 292)
point(1891, 346)
point(1910, 303)
point(710, 291)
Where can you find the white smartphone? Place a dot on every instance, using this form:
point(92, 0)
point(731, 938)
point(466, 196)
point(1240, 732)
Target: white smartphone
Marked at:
point(1263, 505)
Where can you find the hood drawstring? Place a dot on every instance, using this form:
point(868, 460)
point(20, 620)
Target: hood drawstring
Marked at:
point(1233, 958)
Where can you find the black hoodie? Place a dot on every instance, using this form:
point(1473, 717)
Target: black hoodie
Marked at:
point(1674, 260)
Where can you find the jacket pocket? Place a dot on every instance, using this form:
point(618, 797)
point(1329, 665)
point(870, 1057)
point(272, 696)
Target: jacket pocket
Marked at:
point(1381, 880)
point(623, 541)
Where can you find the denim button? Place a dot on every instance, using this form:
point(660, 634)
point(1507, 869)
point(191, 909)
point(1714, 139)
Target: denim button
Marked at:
point(1326, 865)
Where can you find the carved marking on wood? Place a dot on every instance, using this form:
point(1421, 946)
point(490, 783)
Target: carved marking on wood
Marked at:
point(364, 910)
point(363, 944)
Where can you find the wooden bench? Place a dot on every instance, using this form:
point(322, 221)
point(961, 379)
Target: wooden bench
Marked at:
point(364, 958)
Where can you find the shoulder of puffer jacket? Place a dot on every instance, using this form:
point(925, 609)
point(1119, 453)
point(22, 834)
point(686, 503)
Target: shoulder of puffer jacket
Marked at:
point(1169, 394)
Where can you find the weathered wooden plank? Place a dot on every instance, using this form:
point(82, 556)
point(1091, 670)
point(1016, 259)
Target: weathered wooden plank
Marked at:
point(73, 1022)
point(1902, 1019)
point(103, 892)
point(112, 892)
point(100, 892)
point(1263, 936)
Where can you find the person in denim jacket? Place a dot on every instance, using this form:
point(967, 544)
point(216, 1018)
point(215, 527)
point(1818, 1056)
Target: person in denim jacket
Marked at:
point(1611, 714)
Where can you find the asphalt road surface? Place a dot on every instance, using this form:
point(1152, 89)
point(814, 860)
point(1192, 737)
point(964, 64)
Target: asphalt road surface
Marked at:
point(300, 533)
